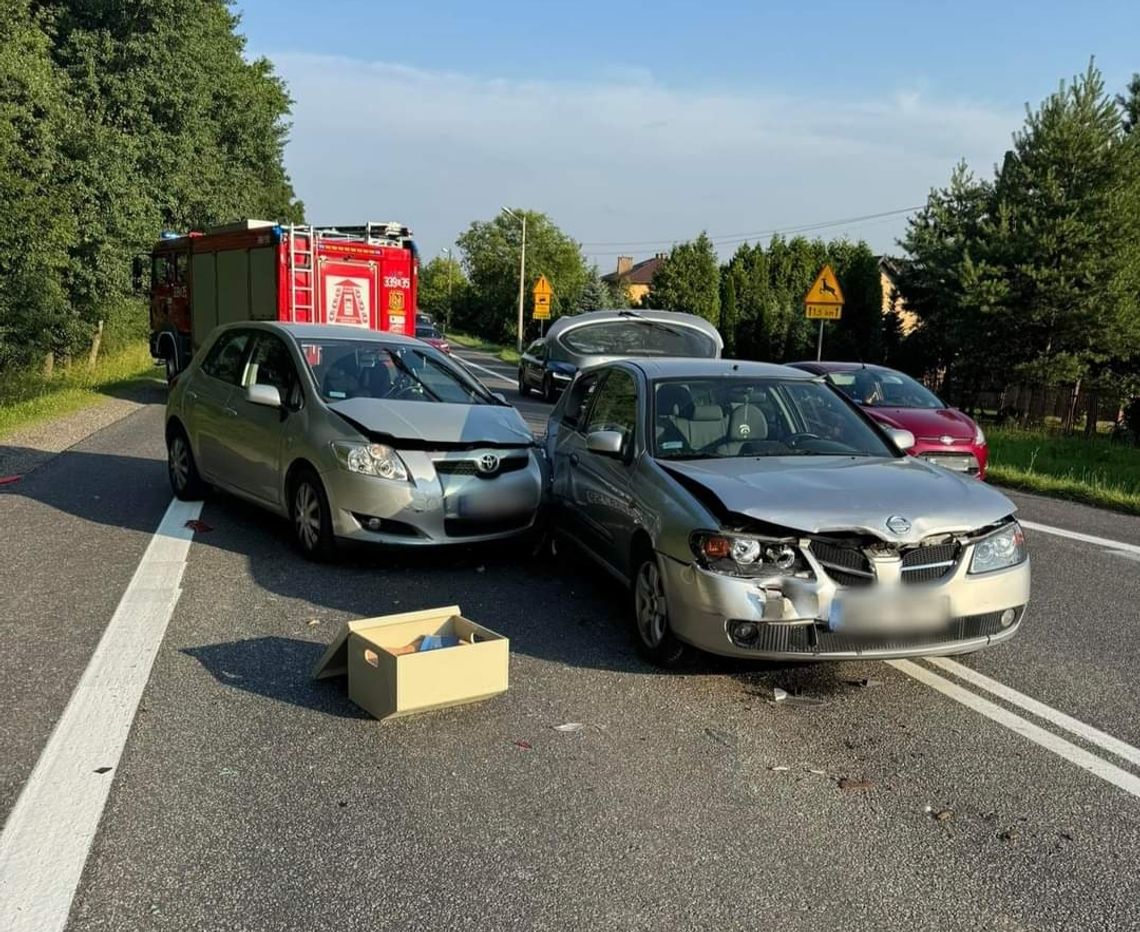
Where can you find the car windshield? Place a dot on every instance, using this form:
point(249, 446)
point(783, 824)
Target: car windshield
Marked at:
point(639, 336)
point(429, 332)
point(884, 388)
point(734, 416)
point(394, 371)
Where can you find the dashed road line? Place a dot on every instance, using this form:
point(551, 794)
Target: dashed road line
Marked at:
point(1097, 766)
point(50, 830)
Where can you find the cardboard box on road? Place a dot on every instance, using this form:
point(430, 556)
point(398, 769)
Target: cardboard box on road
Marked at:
point(387, 680)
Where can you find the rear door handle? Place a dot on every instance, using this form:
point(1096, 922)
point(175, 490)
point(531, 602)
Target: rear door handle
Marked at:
point(192, 396)
point(230, 412)
point(573, 459)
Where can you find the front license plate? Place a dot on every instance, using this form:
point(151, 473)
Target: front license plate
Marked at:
point(891, 612)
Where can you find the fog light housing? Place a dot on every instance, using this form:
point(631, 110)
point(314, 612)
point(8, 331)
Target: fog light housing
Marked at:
point(745, 633)
point(1007, 617)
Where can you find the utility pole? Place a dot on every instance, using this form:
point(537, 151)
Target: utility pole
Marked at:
point(819, 345)
point(522, 271)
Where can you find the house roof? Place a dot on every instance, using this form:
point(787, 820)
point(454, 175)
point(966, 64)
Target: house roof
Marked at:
point(640, 274)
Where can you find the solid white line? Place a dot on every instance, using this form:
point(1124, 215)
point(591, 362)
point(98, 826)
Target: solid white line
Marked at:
point(1070, 724)
point(490, 372)
point(1015, 723)
point(1084, 538)
point(50, 830)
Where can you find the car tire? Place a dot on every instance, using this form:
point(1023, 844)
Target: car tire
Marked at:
point(548, 389)
point(310, 517)
point(171, 368)
point(650, 613)
point(181, 470)
point(524, 389)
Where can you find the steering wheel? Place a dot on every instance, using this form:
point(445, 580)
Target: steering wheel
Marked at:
point(406, 391)
point(792, 439)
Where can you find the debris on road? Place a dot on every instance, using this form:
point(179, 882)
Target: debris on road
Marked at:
point(864, 683)
point(570, 726)
point(720, 737)
point(939, 815)
point(525, 745)
point(313, 622)
point(849, 783)
point(779, 768)
point(793, 698)
point(103, 769)
point(197, 526)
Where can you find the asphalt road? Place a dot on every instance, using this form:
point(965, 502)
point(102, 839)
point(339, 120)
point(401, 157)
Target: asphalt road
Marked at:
point(249, 797)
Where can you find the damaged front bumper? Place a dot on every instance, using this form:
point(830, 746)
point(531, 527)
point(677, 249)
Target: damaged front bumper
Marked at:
point(787, 618)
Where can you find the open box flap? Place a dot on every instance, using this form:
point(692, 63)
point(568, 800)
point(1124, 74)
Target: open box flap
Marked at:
point(334, 661)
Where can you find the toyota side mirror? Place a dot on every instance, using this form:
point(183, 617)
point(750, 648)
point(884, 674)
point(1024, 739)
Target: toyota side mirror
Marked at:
point(903, 439)
point(265, 395)
point(605, 442)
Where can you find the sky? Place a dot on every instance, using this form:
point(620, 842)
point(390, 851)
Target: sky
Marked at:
point(638, 125)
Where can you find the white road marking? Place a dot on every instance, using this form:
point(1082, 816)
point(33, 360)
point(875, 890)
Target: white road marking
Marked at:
point(1048, 713)
point(1118, 545)
point(1015, 723)
point(490, 372)
point(50, 830)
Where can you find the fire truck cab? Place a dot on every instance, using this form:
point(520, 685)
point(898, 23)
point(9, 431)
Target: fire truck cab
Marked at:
point(363, 276)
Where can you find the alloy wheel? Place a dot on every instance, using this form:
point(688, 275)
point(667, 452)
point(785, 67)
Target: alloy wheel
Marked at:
point(652, 614)
point(179, 458)
point(307, 516)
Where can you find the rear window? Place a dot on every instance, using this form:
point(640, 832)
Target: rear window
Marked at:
point(639, 337)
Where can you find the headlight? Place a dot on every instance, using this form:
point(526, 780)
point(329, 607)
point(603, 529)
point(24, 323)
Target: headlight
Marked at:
point(371, 459)
point(979, 436)
point(739, 555)
point(999, 550)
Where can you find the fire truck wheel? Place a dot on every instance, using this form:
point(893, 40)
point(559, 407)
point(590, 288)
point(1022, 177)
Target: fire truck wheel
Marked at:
point(311, 516)
point(181, 468)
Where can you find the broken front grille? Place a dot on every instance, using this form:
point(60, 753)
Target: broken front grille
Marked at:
point(847, 564)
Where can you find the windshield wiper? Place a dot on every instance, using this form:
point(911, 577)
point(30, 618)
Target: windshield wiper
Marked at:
point(407, 370)
point(652, 323)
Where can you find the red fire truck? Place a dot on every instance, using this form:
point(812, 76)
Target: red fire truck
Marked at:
point(361, 276)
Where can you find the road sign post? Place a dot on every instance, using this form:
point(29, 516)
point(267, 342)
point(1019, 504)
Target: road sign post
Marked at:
point(824, 301)
point(542, 295)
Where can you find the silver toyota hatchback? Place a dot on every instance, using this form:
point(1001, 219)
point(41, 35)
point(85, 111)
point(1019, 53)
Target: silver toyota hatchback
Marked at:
point(352, 434)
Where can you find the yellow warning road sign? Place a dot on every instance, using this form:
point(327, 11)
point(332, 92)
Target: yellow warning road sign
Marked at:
point(824, 300)
point(542, 295)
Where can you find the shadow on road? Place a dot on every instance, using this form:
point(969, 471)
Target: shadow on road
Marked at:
point(276, 668)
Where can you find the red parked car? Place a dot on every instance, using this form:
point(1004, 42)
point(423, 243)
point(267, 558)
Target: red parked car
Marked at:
point(943, 435)
point(432, 337)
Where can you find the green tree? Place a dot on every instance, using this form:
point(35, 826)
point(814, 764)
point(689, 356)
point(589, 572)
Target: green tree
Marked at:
point(1129, 104)
point(491, 260)
point(1067, 192)
point(727, 323)
point(35, 223)
point(689, 280)
point(442, 288)
point(858, 335)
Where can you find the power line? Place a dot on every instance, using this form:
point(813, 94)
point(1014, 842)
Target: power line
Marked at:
point(730, 238)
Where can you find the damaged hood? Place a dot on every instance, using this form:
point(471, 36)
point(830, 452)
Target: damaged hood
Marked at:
point(424, 423)
point(828, 494)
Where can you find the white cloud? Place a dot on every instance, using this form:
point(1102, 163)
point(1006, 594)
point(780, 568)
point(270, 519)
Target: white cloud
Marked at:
point(620, 159)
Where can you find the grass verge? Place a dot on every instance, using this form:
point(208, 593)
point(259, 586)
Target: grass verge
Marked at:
point(467, 341)
point(1095, 472)
point(27, 397)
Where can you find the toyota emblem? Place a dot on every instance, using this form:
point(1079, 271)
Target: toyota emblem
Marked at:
point(487, 464)
point(897, 524)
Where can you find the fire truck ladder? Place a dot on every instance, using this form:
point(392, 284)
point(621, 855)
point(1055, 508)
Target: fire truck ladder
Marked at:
point(301, 260)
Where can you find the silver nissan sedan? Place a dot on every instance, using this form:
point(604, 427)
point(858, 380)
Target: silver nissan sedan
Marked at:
point(754, 511)
point(353, 435)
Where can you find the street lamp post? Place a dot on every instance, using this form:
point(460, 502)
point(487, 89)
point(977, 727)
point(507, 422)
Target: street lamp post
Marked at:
point(522, 271)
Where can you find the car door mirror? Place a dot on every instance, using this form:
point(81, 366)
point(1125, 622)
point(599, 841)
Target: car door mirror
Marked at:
point(903, 439)
point(265, 395)
point(499, 396)
point(605, 442)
